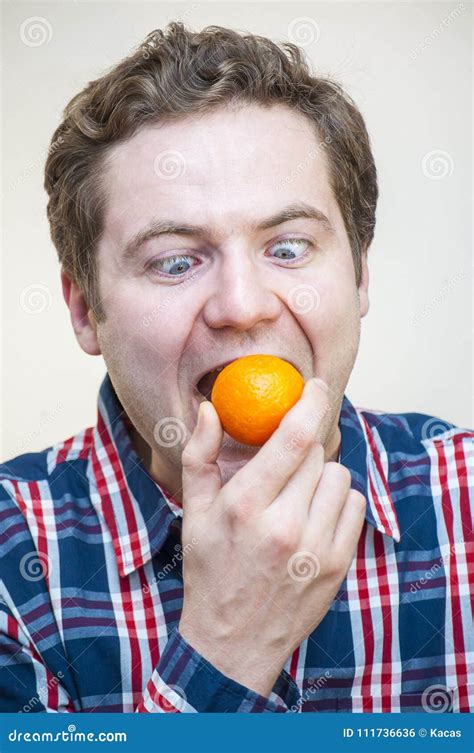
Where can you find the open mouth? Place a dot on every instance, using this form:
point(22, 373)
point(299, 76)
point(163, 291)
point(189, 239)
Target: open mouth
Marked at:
point(206, 383)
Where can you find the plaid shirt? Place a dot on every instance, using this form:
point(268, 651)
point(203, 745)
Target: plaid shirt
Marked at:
point(91, 581)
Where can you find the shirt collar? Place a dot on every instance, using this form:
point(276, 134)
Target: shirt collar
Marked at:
point(139, 513)
point(364, 454)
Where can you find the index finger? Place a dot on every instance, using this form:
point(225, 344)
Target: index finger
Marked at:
point(269, 470)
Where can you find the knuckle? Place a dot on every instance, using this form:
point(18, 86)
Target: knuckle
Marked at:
point(345, 475)
point(319, 448)
point(358, 498)
point(330, 468)
point(337, 473)
point(189, 456)
point(283, 539)
point(238, 512)
point(297, 437)
point(333, 568)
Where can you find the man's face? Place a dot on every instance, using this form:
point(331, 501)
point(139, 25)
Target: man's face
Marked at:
point(242, 283)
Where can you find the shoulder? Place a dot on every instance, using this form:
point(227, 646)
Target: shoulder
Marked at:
point(40, 466)
point(34, 485)
point(48, 464)
point(430, 448)
point(414, 431)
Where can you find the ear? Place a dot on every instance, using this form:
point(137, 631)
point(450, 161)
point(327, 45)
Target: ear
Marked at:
point(363, 289)
point(83, 320)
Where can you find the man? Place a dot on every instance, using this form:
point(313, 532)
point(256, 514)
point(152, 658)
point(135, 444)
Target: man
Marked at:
point(208, 199)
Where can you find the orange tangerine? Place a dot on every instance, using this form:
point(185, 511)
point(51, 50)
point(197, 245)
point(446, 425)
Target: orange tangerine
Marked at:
point(253, 393)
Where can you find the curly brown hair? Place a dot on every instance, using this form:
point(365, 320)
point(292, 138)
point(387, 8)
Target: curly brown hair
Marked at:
point(176, 72)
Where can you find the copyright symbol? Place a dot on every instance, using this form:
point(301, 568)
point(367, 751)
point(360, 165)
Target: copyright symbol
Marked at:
point(422, 732)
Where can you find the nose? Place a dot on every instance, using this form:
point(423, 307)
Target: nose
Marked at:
point(242, 297)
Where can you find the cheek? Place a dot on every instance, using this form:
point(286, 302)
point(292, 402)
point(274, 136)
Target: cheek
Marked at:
point(327, 309)
point(163, 336)
point(147, 328)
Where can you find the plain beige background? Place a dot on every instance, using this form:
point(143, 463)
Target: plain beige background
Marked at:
point(407, 65)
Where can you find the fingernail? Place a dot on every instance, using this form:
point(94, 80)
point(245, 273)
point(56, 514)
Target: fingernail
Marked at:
point(307, 387)
point(200, 412)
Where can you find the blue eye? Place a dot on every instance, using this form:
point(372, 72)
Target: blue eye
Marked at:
point(286, 248)
point(179, 265)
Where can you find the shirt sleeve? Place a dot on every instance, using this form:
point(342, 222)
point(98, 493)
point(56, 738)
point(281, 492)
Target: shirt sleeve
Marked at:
point(26, 683)
point(185, 682)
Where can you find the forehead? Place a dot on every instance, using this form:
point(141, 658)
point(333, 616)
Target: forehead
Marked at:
point(220, 168)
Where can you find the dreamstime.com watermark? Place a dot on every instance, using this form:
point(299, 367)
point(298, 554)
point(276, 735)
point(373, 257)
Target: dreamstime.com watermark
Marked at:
point(41, 690)
point(439, 298)
point(304, 164)
point(308, 426)
point(435, 33)
point(66, 736)
point(34, 166)
point(35, 433)
point(312, 688)
point(438, 565)
point(168, 301)
point(169, 567)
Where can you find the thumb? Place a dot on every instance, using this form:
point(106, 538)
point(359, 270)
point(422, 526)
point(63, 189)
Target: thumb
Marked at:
point(202, 479)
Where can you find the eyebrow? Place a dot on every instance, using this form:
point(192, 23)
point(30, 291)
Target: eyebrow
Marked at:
point(299, 210)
